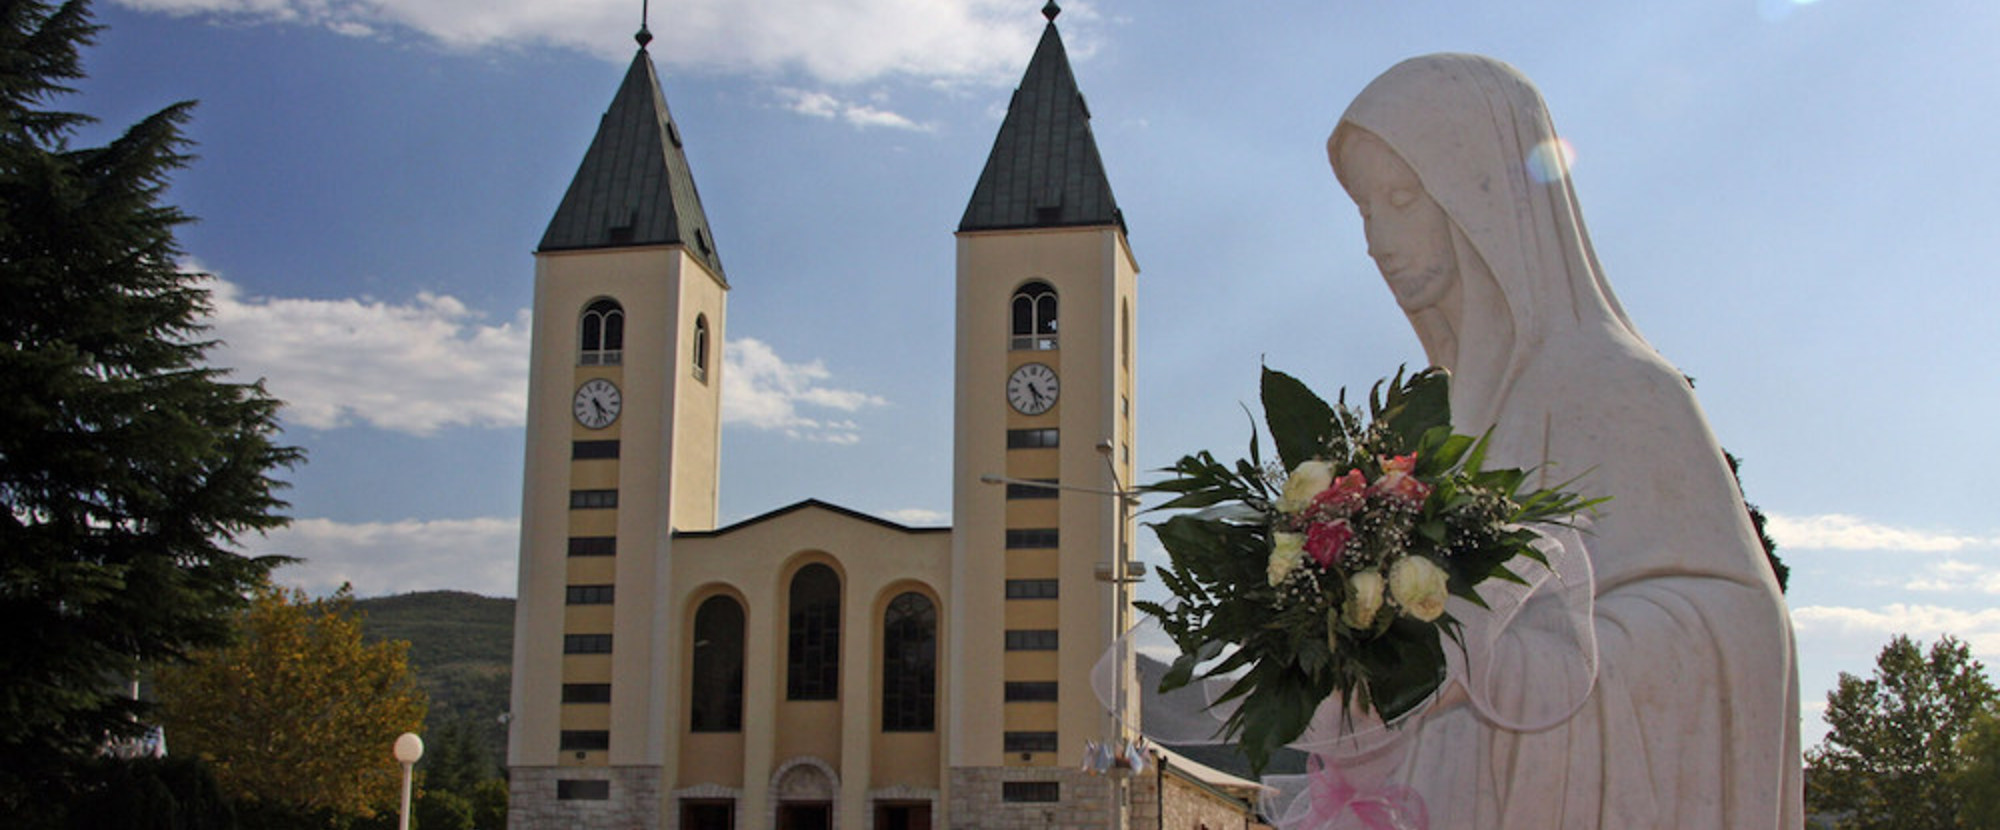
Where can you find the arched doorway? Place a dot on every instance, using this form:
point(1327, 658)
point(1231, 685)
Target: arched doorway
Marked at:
point(803, 794)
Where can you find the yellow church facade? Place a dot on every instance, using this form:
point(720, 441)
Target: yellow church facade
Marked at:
point(815, 667)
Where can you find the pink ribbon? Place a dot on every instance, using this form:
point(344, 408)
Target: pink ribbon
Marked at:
point(1337, 804)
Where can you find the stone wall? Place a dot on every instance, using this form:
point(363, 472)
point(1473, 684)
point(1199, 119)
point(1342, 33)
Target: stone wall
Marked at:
point(976, 802)
point(1187, 805)
point(532, 802)
point(1190, 806)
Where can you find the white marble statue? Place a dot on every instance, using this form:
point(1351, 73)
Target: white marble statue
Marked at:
point(1692, 720)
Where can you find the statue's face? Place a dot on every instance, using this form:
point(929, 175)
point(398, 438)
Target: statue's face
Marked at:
point(1409, 236)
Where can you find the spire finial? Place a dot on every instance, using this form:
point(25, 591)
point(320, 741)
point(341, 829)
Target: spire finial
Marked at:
point(644, 36)
point(1051, 10)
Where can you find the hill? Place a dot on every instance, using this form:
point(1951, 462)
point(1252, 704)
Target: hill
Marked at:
point(461, 650)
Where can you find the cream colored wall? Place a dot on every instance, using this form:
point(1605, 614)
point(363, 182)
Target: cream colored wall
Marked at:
point(1093, 273)
point(697, 452)
point(660, 289)
point(755, 562)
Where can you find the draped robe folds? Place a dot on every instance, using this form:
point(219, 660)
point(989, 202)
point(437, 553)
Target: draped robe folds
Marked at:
point(1692, 720)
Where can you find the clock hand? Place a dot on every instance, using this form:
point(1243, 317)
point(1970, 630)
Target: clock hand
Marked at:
point(599, 404)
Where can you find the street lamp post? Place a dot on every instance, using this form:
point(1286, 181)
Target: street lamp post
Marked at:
point(1120, 758)
point(409, 748)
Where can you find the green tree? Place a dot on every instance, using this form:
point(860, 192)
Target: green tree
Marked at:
point(1978, 782)
point(127, 465)
point(297, 717)
point(1757, 520)
point(176, 793)
point(454, 759)
point(489, 804)
point(1894, 748)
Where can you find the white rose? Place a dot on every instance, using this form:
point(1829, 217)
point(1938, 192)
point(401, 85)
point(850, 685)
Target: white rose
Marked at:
point(1306, 481)
point(1364, 598)
point(1419, 585)
point(1287, 551)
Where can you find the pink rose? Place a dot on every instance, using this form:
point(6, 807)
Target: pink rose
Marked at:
point(1399, 485)
point(1343, 495)
point(1325, 540)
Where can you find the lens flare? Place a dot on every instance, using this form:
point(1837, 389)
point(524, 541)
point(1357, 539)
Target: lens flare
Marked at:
point(1777, 10)
point(1550, 160)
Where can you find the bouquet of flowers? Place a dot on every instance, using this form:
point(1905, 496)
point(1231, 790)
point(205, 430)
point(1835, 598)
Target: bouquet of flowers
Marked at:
point(1328, 574)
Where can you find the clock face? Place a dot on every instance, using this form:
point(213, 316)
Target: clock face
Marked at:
point(1032, 389)
point(597, 403)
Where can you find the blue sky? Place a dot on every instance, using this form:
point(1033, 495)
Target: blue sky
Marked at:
point(1795, 202)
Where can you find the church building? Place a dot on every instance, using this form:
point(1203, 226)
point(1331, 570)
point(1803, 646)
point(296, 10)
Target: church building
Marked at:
point(815, 667)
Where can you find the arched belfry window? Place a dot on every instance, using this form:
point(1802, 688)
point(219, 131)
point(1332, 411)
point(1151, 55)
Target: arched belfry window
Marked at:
point(812, 670)
point(909, 664)
point(715, 690)
point(701, 347)
point(602, 333)
point(1034, 312)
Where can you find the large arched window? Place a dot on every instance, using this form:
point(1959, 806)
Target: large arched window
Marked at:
point(812, 670)
point(909, 664)
point(1034, 311)
point(716, 683)
point(701, 347)
point(602, 333)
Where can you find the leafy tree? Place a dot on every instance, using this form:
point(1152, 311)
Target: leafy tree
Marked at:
point(454, 759)
point(127, 465)
point(1894, 747)
point(1978, 782)
point(489, 804)
point(298, 716)
point(176, 793)
point(443, 810)
point(1778, 568)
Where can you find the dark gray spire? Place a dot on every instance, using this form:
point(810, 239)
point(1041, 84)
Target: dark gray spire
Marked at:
point(634, 187)
point(1044, 171)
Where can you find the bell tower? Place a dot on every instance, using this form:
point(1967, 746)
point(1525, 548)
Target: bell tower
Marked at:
point(1046, 294)
point(624, 415)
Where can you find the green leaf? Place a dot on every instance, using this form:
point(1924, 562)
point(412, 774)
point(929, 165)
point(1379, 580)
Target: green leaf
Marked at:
point(1419, 404)
point(1300, 421)
point(1406, 666)
point(1181, 672)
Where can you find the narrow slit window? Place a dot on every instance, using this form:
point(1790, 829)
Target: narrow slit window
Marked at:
point(700, 347)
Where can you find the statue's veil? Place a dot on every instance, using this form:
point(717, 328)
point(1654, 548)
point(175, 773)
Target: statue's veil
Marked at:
point(1479, 138)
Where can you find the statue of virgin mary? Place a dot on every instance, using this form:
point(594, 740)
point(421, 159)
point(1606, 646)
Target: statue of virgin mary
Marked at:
point(1674, 701)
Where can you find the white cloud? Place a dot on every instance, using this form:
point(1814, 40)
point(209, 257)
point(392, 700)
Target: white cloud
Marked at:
point(415, 367)
point(477, 555)
point(824, 105)
point(982, 41)
point(1979, 628)
point(918, 517)
point(431, 364)
point(1834, 531)
point(1956, 576)
point(762, 391)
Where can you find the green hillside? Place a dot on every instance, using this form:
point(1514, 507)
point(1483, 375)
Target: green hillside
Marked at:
point(461, 649)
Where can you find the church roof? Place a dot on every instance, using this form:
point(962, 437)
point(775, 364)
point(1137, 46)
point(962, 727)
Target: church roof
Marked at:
point(808, 504)
point(1044, 171)
point(634, 187)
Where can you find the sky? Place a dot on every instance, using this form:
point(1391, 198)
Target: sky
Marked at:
point(1794, 201)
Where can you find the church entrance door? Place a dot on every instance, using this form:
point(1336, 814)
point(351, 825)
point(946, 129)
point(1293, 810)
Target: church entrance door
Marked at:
point(797, 816)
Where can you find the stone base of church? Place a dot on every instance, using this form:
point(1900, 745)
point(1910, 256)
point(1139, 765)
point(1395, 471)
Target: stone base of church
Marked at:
point(561, 798)
point(1021, 798)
